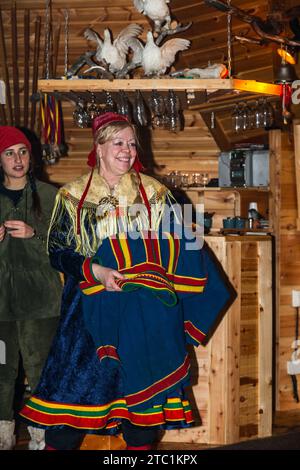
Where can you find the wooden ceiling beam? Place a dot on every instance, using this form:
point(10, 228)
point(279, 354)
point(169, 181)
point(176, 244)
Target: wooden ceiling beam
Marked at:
point(69, 4)
point(176, 7)
point(206, 13)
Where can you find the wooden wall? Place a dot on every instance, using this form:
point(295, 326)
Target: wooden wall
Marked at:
point(192, 150)
point(287, 263)
point(232, 375)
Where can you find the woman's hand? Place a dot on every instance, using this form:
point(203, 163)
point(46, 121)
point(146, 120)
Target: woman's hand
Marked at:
point(2, 232)
point(19, 229)
point(107, 277)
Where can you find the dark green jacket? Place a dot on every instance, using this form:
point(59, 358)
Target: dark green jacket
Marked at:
point(29, 287)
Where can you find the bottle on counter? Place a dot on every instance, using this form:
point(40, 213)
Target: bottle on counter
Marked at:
point(253, 216)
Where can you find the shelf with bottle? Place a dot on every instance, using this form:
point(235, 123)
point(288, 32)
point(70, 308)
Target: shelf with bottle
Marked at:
point(263, 189)
point(244, 231)
point(232, 205)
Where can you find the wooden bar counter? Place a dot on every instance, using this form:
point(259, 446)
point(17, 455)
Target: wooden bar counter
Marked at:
point(232, 374)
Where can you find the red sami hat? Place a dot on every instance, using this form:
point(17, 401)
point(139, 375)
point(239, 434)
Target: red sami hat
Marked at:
point(10, 136)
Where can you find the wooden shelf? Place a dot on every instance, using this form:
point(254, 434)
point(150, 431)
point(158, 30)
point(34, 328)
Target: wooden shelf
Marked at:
point(227, 188)
point(232, 231)
point(210, 85)
point(134, 84)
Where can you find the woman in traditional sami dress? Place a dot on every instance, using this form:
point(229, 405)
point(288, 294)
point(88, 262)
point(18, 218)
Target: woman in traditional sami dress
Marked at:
point(139, 288)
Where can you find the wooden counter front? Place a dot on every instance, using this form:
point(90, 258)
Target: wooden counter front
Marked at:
point(232, 374)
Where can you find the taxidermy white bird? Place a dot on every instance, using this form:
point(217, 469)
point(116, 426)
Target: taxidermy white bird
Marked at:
point(157, 59)
point(211, 71)
point(113, 53)
point(157, 10)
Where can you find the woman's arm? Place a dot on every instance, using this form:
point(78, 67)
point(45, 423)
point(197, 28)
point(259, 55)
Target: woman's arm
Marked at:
point(62, 244)
point(64, 258)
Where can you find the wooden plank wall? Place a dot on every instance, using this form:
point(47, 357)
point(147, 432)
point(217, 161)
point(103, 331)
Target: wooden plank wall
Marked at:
point(192, 150)
point(287, 265)
point(231, 375)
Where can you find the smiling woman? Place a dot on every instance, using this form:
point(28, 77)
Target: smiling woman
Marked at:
point(116, 156)
point(135, 295)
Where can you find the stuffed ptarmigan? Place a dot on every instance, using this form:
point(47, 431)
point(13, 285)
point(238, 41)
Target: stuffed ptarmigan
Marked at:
point(156, 60)
point(157, 10)
point(113, 53)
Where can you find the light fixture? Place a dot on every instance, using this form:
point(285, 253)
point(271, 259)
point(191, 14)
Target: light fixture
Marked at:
point(286, 56)
point(285, 73)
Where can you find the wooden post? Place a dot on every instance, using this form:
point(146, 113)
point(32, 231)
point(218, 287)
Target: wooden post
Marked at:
point(224, 387)
point(232, 366)
point(36, 53)
point(297, 166)
point(14, 36)
point(264, 339)
point(275, 215)
point(26, 64)
point(216, 378)
point(3, 56)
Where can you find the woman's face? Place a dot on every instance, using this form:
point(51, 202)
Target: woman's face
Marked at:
point(118, 154)
point(15, 161)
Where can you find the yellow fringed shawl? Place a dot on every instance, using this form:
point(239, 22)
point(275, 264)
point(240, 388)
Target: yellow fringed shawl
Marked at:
point(112, 213)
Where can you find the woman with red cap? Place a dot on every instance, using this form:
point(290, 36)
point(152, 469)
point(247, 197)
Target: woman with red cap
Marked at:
point(134, 296)
point(30, 288)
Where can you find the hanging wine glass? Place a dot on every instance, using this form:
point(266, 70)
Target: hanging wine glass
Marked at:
point(246, 117)
point(268, 113)
point(92, 108)
point(236, 119)
point(110, 105)
point(173, 108)
point(123, 105)
point(80, 115)
point(252, 118)
point(157, 108)
point(257, 115)
point(140, 111)
point(264, 113)
point(261, 111)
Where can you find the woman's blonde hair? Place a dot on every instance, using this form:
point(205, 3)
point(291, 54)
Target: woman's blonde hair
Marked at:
point(108, 132)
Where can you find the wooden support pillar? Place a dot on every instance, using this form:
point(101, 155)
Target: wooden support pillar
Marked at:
point(297, 166)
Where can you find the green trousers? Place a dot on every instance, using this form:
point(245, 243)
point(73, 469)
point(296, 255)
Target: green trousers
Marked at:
point(30, 338)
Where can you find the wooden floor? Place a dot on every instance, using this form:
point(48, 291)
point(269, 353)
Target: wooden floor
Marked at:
point(284, 422)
